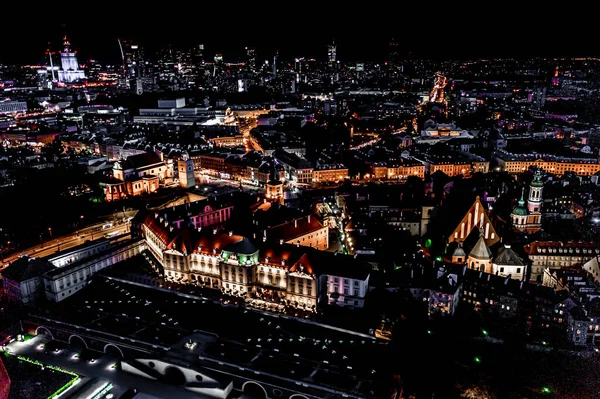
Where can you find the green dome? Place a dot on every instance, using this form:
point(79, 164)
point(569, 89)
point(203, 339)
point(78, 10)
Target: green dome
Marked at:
point(520, 210)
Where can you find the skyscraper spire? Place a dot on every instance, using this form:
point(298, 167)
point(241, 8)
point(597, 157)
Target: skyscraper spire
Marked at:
point(66, 44)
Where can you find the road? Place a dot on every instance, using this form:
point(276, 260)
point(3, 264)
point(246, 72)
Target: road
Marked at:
point(91, 233)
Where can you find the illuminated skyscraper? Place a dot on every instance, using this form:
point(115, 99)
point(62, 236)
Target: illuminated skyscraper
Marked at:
point(198, 56)
point(251, 59)
point(393, 56)
point(332, 53)
point(69, 71)
point(133, 59)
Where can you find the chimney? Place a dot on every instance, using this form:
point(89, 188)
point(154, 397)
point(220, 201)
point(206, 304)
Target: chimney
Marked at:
point(295, 222)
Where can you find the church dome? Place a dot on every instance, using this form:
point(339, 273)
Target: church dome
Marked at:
point(519, 210)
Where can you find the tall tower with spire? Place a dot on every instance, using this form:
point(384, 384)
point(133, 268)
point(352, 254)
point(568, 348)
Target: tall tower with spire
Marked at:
point(69, 71)
point(274, 185)
point(534, 203)
point(529, 217)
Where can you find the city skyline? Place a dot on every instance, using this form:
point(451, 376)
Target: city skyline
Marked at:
point(451, 36)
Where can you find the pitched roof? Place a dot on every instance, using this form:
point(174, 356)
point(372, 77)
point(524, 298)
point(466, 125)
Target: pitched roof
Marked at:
point(506, 256)
point(26, 268)
point(141, 160)
point(296, 228)
point(481, 250)
point(475, 218)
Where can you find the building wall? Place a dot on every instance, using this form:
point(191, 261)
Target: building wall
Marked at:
point(554, 261)
point(25, 291)
point(66, 258)
point(345, 291)
point(515, 272)
point(557, 168)
point(318, 239)
point(329, 175)
point(67, 283)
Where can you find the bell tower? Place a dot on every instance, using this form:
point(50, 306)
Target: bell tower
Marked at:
point(534, 202)
point(274, 186)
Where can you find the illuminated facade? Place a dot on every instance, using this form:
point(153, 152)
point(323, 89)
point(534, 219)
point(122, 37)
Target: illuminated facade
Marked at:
point(185, 169)
point(138, 174)
point(476, 217)
point(437, 92)
point(272, 275)
point(397, 171)
point(332, 53)
point(516, 164)
point(556, 255)
point(69, 71)
point(330, 174)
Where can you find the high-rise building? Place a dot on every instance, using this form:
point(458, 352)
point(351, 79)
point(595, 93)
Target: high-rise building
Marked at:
point(251, 59)
point(394, 57)
point(133, 59)
point(198, 56)
point(69, 71)
point(332, 52)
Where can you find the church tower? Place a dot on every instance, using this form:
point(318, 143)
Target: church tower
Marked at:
point(274, 185)
point(185, 169)
point(534, 203)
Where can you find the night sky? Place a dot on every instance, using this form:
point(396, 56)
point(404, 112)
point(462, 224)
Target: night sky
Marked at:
point(362, 32)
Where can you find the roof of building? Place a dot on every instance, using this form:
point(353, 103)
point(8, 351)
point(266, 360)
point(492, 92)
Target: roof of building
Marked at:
point(573, 248)
point(507, 257)
point(481, 250)
point(243, 247)
point(295, 228)
point(140, 160)
point(26, 268)
point(459, 251)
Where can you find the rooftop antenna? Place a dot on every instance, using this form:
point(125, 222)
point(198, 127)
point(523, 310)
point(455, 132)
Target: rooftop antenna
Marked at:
point(51, 64)
point(122, 57)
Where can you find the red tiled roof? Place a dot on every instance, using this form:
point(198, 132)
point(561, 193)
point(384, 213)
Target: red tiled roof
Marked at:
point(163, 233)
point(296, 228)
point(303, 263)
point(532, 249)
